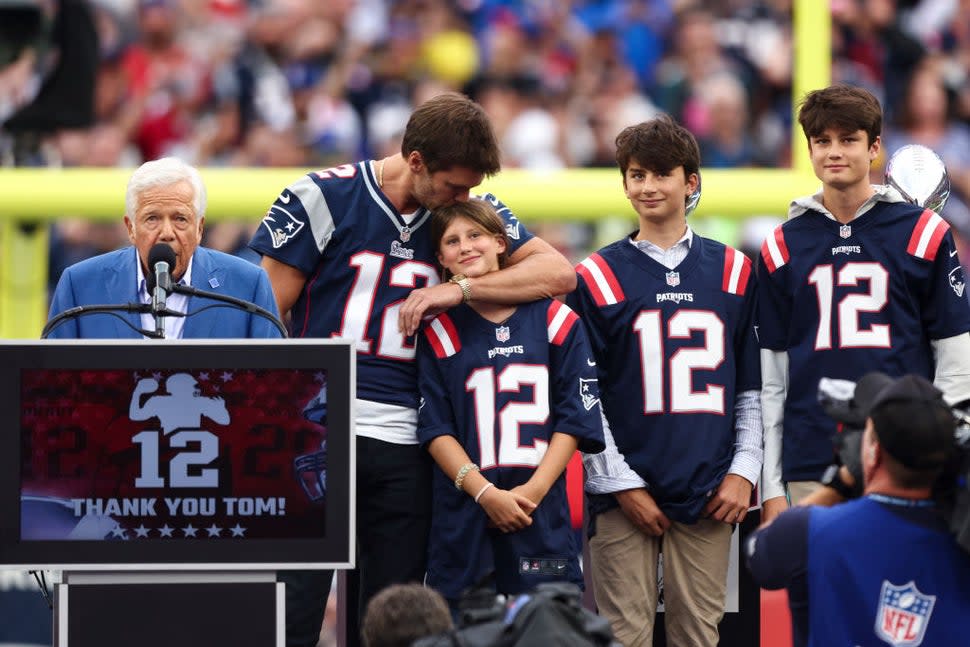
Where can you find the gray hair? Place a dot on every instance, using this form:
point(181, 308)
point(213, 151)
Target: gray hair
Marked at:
point(165, 171)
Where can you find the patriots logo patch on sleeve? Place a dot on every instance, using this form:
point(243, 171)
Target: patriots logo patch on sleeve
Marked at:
point(589, 399)
point(281, 225)
point(957, 282)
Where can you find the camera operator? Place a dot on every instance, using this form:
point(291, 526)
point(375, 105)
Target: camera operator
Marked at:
point(882, 568)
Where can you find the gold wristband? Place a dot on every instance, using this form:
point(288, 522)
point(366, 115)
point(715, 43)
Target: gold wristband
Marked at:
point(463, 472)
point(466, 287)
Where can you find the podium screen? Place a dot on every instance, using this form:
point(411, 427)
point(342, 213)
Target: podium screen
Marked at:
point(176, 454)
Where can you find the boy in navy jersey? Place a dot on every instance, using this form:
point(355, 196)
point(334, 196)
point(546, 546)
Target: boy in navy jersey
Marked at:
point(882, 569)
point(670, 318)
point(508, 393)
point(348, 254)
point(856, 280)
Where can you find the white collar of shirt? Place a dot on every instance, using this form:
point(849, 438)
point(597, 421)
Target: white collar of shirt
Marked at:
point(174, 326)
point(670, 257)
point(883, 193)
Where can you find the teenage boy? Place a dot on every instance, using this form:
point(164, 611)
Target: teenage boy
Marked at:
point(670, 319)
point(856, 280)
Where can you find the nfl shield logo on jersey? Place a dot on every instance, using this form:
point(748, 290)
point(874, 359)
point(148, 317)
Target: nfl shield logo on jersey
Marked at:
point(903, 614)
point(673, 279)
point(845, 231)
point(502, 333)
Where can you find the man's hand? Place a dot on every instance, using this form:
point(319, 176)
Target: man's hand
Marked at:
point(731, 500)
point(426, 302)
point(643, 511)
point(773, 507)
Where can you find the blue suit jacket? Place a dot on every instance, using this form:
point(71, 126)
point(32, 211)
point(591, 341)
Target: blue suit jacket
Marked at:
point(111, 279)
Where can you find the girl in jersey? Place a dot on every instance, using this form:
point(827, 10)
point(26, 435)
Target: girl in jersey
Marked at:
point(508, 395)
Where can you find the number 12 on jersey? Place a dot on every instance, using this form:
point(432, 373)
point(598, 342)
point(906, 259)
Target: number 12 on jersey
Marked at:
point(483, 384)
point(850, 333)
point(678, 373)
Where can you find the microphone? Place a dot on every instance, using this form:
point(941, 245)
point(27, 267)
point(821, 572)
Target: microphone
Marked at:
point(161, 262)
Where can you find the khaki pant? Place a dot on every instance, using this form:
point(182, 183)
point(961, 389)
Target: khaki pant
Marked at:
point(624, 573)
point(798, 490)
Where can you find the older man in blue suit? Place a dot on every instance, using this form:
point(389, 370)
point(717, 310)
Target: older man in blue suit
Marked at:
point(164, 203)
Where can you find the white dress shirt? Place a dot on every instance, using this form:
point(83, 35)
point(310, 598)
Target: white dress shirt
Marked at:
point(177, 302)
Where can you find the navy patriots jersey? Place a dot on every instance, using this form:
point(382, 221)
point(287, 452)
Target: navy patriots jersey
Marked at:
point(502, 390)
point(843, 300)
point(673, 348)
point(361, 260)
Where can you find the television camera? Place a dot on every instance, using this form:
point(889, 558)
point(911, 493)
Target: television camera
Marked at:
point(952, 490)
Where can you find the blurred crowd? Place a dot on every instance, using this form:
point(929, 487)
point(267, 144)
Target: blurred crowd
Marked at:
point(309, 83)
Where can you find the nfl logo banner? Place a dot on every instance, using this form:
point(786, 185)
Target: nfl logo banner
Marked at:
point(903, 614)
point(502, 333)
point(845, 231)
point(673, 279)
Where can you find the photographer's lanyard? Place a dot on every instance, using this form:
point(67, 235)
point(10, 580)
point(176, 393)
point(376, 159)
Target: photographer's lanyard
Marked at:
point(905, 503)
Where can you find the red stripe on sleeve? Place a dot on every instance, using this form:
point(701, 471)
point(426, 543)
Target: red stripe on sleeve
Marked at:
point(594, 289)
point(766, 256)
point(918, 232)
point(934, 245)
point(449, 326)
point(567, 324)
point(728, 266)
point(745, 274)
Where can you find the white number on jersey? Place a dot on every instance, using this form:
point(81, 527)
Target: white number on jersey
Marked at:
point(850, 333)
point(360, 304)
point(683, 399)
point(482, 383)
point(344, 171)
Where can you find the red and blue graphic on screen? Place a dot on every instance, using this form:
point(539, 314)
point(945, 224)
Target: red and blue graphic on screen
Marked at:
point(171, 454)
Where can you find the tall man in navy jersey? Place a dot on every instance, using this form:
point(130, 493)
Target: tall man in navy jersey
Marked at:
point(856, 280)
point(882, 569)
point(670, 320)
point(348, 254)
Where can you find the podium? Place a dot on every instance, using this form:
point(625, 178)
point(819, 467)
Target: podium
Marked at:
point(152, 609)
point(169, 481)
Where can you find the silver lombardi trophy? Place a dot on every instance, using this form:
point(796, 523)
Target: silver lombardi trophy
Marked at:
point(920, 176)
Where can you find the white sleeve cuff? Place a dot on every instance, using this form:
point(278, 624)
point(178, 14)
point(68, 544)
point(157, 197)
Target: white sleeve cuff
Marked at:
point(608, 471)
point(952, 357)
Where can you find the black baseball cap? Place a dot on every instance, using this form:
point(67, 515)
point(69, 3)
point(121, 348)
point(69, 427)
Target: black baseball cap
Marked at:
point(910, 417)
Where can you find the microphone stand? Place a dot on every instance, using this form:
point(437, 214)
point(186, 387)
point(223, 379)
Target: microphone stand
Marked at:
point(163, 286)
point(113, 309)
point(248, 306)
